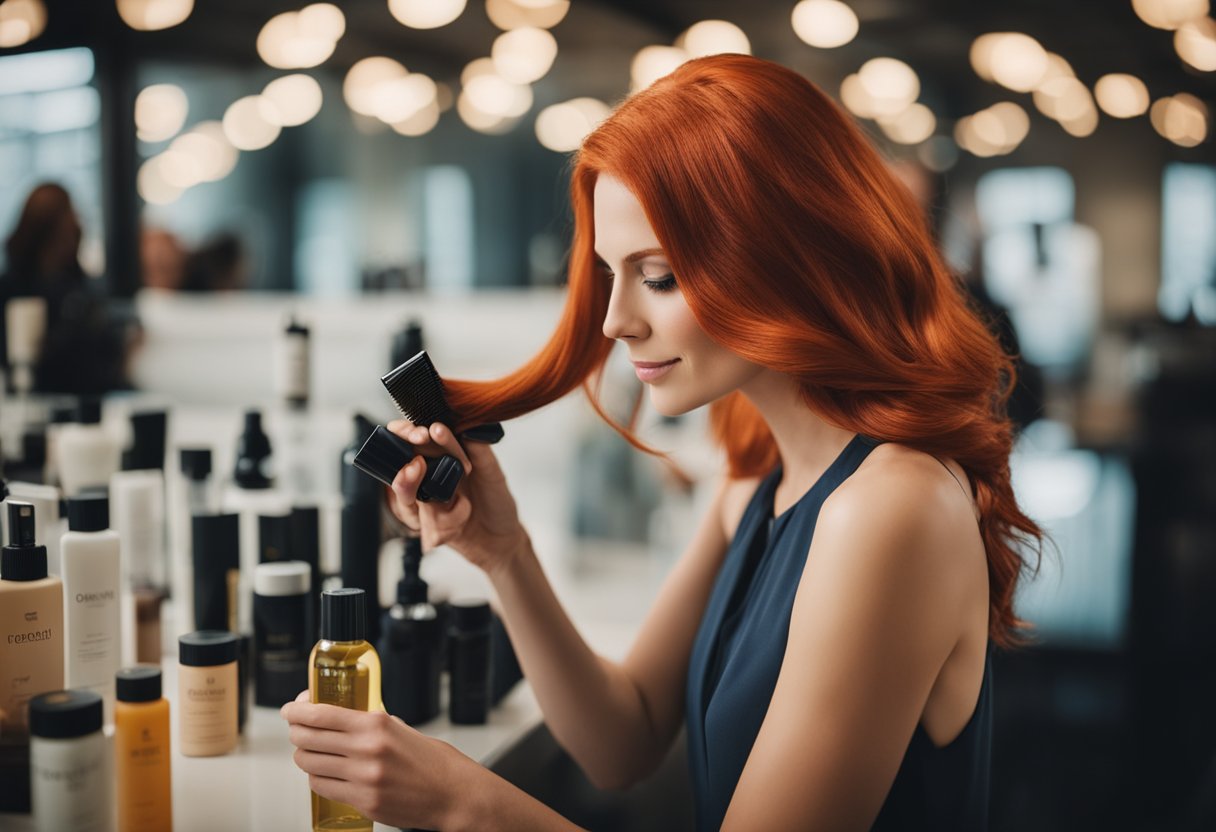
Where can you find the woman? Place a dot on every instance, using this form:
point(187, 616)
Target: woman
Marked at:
point(825, 637)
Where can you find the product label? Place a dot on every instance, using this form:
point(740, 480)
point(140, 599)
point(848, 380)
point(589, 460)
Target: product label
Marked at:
point(208, 709)
point(70, 784)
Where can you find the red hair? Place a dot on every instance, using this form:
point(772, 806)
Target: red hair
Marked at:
point(796, 248)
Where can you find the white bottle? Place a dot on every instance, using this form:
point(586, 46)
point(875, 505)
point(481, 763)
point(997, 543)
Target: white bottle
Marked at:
point(25, 324)
point(86, 452)
point(90, 553)
point(71, 764)
point(137, 514)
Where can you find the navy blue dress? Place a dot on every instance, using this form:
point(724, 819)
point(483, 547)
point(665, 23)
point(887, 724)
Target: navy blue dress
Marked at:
point(737, 656)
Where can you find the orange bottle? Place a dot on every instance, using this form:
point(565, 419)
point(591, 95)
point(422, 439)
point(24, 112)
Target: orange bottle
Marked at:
point(141, 751)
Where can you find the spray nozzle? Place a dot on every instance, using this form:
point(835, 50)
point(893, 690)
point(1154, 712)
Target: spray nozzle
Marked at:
point(20, 524)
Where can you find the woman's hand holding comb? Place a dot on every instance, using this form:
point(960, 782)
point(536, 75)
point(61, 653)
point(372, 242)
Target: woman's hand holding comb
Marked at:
point(481, 522)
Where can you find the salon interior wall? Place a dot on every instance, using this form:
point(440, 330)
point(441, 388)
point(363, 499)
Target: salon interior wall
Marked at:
point(518, 222)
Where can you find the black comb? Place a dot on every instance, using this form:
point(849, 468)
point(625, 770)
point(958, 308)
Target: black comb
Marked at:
point(417, 390)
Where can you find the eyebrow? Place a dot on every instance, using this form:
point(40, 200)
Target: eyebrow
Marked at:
point(633, 258)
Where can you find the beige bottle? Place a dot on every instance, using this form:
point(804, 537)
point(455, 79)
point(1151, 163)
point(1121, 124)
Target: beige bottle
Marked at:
point(31, 648)
point(207, 692)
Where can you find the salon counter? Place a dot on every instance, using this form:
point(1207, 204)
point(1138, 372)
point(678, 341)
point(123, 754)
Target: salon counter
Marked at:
point(606, 589)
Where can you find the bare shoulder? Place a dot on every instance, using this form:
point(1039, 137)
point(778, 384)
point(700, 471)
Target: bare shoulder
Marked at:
point(735, 496)
point(912, 515)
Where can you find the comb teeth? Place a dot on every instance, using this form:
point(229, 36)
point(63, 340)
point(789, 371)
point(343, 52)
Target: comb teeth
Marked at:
point(417, 390)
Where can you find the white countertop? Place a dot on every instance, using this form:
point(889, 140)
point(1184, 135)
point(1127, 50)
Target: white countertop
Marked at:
point(606, 590)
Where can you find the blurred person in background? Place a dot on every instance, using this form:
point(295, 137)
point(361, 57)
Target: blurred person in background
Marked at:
point(825, 640)
point(162, 259)
point(218, 265)
point(85, 349)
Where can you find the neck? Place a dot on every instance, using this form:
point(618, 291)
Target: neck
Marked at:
point(806, 442)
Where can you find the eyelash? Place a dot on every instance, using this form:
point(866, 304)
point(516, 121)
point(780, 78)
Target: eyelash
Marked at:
point(658, 286)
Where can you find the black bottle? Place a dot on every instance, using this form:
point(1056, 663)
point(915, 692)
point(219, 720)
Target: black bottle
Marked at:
point(362, 497)
point(469, 662)
point(410, 646)
point(253, 455)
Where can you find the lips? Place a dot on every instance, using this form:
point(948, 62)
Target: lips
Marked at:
point(651, 371)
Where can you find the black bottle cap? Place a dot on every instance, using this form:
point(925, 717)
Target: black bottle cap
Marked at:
point(64, 714)
point(88, 411)
point(139, 684)
point(406, 344)
point(216, 539)
point(63, 414)
point(148, 447)
point(208, 648)
point(22, 559)
point(196, 463)
point(252, 449)
point(344, 614)
point(88, 513)
point(470, 614)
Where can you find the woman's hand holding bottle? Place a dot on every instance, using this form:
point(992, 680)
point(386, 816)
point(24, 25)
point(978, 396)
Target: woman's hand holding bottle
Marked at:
point(481, 522)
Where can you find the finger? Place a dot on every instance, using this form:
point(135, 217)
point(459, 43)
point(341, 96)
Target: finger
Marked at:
point(320, 740)
point(444, 520)
point(324, 765)
point(405, 484)
point(335, 789)
point(330, 717)
point(400, 427)
point(442, 435)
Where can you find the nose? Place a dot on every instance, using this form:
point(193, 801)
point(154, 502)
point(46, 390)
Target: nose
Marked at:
point(622, 320)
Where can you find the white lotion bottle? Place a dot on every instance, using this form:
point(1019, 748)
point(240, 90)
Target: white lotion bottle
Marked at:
point(90, 553)
point(86, 452)
point(71, 764)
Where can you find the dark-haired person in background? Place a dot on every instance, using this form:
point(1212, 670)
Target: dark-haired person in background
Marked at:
point(86, 348)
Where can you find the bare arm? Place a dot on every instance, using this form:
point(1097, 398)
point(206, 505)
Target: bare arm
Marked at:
point(616, 720)
point(877, 612)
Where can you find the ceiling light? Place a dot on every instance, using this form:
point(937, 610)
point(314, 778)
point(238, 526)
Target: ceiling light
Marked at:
point(303, 39)
point(1169, 14)
point(523, 55)
point(160, 111)
point(714, 37)
point(206, 143)
point(421, 122)
point(363, 80)
point(397, 100)
point(512, 14)
point(1019, 62)
point(153, 15)
point(296, 98)
point(20, 22)
point(480, 121)
point(1063, 99)
point(562, 127)
point(425, 14)
point(1195, 43)
point(1121, 96)
point(496, 96)
point(251, 123)
point(824, 23)
point(151, 184)
point(912, 126)
point(1182, 118)
point(891, 84)
point(653, 62)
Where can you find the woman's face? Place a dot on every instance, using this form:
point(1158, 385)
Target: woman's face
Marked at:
point(648, 312)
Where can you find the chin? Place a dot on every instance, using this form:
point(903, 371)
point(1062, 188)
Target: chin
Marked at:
point(666, 404)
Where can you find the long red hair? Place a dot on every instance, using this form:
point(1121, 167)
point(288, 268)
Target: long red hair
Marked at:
point(796, 248)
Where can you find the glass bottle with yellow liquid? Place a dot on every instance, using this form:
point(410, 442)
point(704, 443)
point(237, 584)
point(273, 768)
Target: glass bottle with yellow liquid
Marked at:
point(343, 670)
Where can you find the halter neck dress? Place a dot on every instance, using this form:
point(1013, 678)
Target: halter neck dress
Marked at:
point(737, 656)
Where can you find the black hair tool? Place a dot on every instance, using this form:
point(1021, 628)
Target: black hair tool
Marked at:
point(384, 454)
point(417, 390)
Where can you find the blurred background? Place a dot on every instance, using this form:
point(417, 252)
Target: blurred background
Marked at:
point(180, 181)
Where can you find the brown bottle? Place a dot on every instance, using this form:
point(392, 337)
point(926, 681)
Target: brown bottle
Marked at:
point(31, 647)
